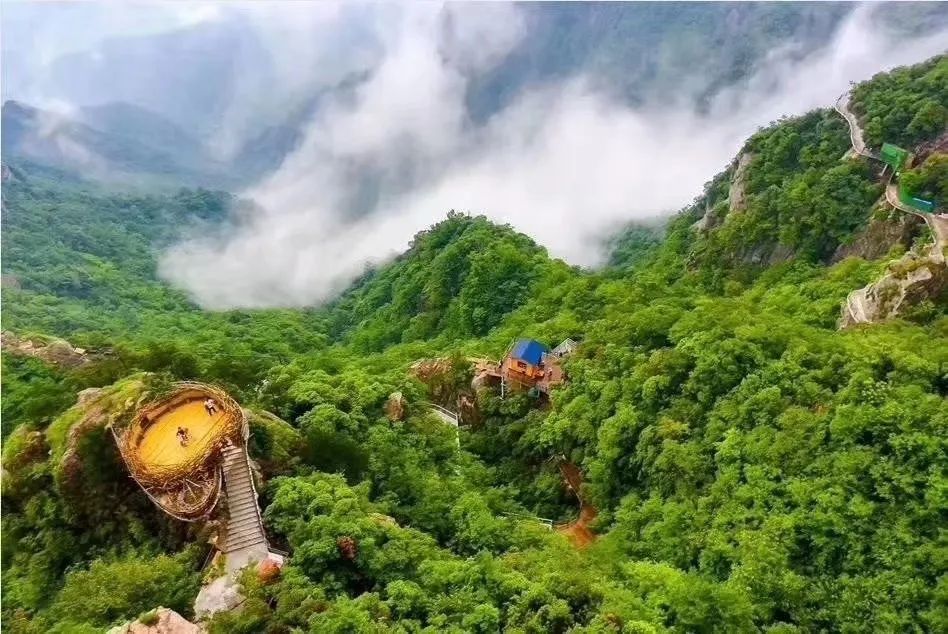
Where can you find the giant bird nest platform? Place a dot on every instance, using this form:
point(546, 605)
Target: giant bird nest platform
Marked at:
point(183, 478)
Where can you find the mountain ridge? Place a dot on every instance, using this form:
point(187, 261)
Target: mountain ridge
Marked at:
point(753, 468)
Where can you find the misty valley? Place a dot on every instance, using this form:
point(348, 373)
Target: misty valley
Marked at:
point(474, 317)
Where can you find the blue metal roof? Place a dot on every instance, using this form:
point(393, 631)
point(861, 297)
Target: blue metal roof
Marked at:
point(528, 350)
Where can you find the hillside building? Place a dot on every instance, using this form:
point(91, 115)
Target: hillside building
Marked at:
point(530, 364)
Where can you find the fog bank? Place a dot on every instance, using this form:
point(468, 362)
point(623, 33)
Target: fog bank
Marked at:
point(564, 163)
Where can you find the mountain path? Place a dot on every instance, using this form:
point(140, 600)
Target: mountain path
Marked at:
point(937, 222)
point(578, 530)
point(855, 132)
point(245, 539)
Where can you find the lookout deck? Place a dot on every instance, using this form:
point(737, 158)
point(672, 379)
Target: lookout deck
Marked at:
point(160, 446)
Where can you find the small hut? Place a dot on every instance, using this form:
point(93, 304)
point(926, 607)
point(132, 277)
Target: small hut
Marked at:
point(522, 366)
point(530, 365)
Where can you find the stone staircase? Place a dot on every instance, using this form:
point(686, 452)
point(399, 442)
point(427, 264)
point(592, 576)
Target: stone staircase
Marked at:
point(245, 538)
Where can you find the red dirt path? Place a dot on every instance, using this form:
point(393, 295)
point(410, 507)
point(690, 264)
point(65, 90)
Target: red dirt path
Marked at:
point(578, 530)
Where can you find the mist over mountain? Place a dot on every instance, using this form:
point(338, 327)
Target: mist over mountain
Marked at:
point(116, 143)
point(352, 127)
point(572, 318)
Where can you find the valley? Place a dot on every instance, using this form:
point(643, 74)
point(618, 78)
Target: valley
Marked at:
point(737, 423)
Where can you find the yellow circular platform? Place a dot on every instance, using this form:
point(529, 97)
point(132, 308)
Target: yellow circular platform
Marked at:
point(153, 450)
point(161, 449)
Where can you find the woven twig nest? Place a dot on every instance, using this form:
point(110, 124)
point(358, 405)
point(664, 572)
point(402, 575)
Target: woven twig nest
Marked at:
point(191, 468)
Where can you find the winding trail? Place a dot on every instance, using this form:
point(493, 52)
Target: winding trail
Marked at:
point(578, 530)
point(855, 132)
point(937, 222)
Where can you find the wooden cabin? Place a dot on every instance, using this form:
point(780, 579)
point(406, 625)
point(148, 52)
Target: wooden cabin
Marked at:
point(530, 364)
point(522, 367)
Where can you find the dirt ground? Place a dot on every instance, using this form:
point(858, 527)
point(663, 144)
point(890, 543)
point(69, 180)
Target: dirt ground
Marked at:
point(160, 446)
point(578, 530)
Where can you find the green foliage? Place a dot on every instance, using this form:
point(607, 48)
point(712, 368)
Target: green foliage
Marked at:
point(459, 278)
point(85, 262)
point(800, 200)
point(753, 468)
point(114, 591)
point(276, 444)
point(928, 181)
point(905, 106)
point(633, 245)
point(33, 392)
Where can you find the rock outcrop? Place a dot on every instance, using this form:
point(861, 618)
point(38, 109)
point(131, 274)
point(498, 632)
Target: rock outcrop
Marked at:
point(395, 407)
point(221, 595)
point(878, 237)
point(160, 621)
point(95, 410)
point(909, 281)
point(58, 352)
point(737, 200)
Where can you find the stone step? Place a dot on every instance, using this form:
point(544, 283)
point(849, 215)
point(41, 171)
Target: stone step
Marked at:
point(237, 480)
point(241, 512)
point(238, 483)
point(236, 545)
point(240, 495)
point(240, 535)
point(237, 535)
point(247, 521)
point(244, 524)
point(247, 525)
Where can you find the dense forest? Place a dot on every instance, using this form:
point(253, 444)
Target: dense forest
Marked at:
point(753, 467)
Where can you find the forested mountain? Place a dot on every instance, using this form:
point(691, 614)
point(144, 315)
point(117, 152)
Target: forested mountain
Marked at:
point(113, 142)
point(204, 79)
point(751, 466)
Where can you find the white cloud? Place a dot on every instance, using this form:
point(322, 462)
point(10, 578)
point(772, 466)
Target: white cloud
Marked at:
point(563, 163)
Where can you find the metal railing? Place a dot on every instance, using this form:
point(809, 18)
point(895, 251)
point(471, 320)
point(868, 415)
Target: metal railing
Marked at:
point(524, 516)
point(454, 416)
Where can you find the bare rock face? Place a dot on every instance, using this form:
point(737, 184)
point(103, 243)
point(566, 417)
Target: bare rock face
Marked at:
point(709, 220)
point(395, 407)
point(910, 280)
point(221, 595)
point(875, 240)
point(737, 200)
point(161, 621)
point(54, 351)
point(924, 150)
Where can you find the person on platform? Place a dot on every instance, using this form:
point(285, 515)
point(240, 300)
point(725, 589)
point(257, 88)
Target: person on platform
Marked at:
point(183, 436)
point(210, 406)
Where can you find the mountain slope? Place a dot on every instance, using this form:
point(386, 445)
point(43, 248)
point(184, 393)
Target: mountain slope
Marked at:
point(754, 469)
point(114, 142)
